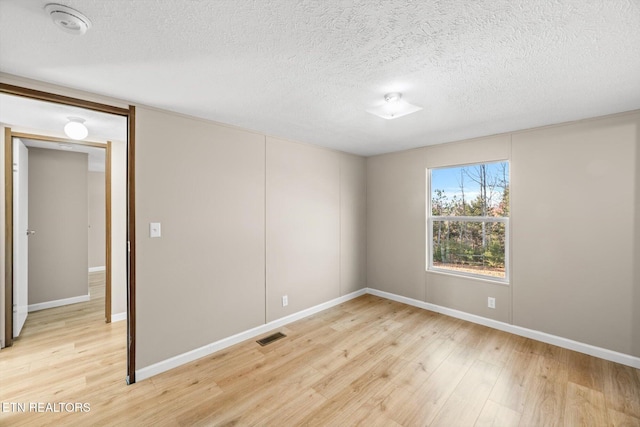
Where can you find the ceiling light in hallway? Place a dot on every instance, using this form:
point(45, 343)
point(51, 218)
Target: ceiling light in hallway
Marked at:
point(75, 128)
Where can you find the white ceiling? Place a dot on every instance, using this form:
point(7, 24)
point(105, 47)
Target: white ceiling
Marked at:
point(24, 115)
point(307, 70)
point(39, 117)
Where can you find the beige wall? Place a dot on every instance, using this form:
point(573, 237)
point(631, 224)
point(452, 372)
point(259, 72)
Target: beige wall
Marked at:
point(203, 280)
point(58, 259)
point(97, 223)
point(569, 184)
point(395, 223)
point(315, 226)
point(573, 210)
point(303, 226)
point(245, 220)
point(353, 223)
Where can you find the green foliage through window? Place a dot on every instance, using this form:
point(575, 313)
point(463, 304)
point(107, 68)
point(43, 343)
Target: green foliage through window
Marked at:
point(468, 225)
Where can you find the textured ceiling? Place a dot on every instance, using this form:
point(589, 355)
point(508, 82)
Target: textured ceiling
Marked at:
point(307, 70)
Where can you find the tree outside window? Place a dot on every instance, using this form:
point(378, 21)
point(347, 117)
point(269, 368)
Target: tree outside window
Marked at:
point(468, 221)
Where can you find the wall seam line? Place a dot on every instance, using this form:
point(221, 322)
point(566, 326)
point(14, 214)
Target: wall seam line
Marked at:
point(265, 229)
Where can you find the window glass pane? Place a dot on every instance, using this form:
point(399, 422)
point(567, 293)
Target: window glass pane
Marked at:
point(473, 190)
point(476, 247)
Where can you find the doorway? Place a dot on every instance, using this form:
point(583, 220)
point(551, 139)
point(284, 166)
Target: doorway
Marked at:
point(54, 183)
point(128, 207)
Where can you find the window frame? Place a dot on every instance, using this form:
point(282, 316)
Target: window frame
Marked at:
point(431, 219)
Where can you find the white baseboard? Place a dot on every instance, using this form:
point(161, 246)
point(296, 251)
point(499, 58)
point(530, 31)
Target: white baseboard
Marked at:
point(602, 353)
point(57, 303)
point(118, 317)
point(94, 269)
point(208, 349)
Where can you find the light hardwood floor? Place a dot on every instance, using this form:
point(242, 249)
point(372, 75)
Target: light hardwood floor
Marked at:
point(369, 362)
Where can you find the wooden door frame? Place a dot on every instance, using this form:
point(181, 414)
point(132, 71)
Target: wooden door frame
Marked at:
point(8, 237)
point(107, 202)
point(107, 242)
point(131, 260)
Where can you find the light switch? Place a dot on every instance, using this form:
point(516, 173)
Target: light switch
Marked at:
point(155, 229)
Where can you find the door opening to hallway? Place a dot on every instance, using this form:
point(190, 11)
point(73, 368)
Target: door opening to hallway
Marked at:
point(44, 301)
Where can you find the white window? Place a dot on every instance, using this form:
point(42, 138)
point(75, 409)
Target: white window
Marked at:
point(468, 220)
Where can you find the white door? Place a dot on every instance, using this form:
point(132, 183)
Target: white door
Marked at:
point(20, 235)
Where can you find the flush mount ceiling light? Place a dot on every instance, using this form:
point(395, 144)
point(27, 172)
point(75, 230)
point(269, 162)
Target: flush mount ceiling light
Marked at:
point(67, 19)
point(76, 129)
point(393, 107)
point(393, 97)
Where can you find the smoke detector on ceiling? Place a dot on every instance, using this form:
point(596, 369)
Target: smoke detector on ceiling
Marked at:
point(67, 19)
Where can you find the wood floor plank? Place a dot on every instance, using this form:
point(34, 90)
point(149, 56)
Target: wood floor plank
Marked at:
point(376, 410)
point(549, 351)
point(618, 419)
point(337, 380)
point(293, 411)
point(421, 405)
point(512, 387)
point(420, 368)
point(495, 415)
point(545, 402)
point(469, 397)
point(586, 370)
point(622, 389)
point(497, 347)
point(338, 409)
point(585, 407)
point(368, 361)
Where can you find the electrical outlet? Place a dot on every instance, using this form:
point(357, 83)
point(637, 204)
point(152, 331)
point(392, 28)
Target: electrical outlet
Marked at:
point(285, 300)
point(491, 302)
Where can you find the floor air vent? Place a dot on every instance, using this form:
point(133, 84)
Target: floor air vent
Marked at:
point(271, 338)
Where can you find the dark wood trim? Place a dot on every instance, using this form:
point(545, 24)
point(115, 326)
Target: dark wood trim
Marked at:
point(8, 238)
point(107, 249)
point(130, 114)
point(55, 139)
point(131, 235)
point(61, 99)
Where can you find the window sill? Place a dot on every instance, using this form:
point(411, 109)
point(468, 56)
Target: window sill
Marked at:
point(470, 276)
